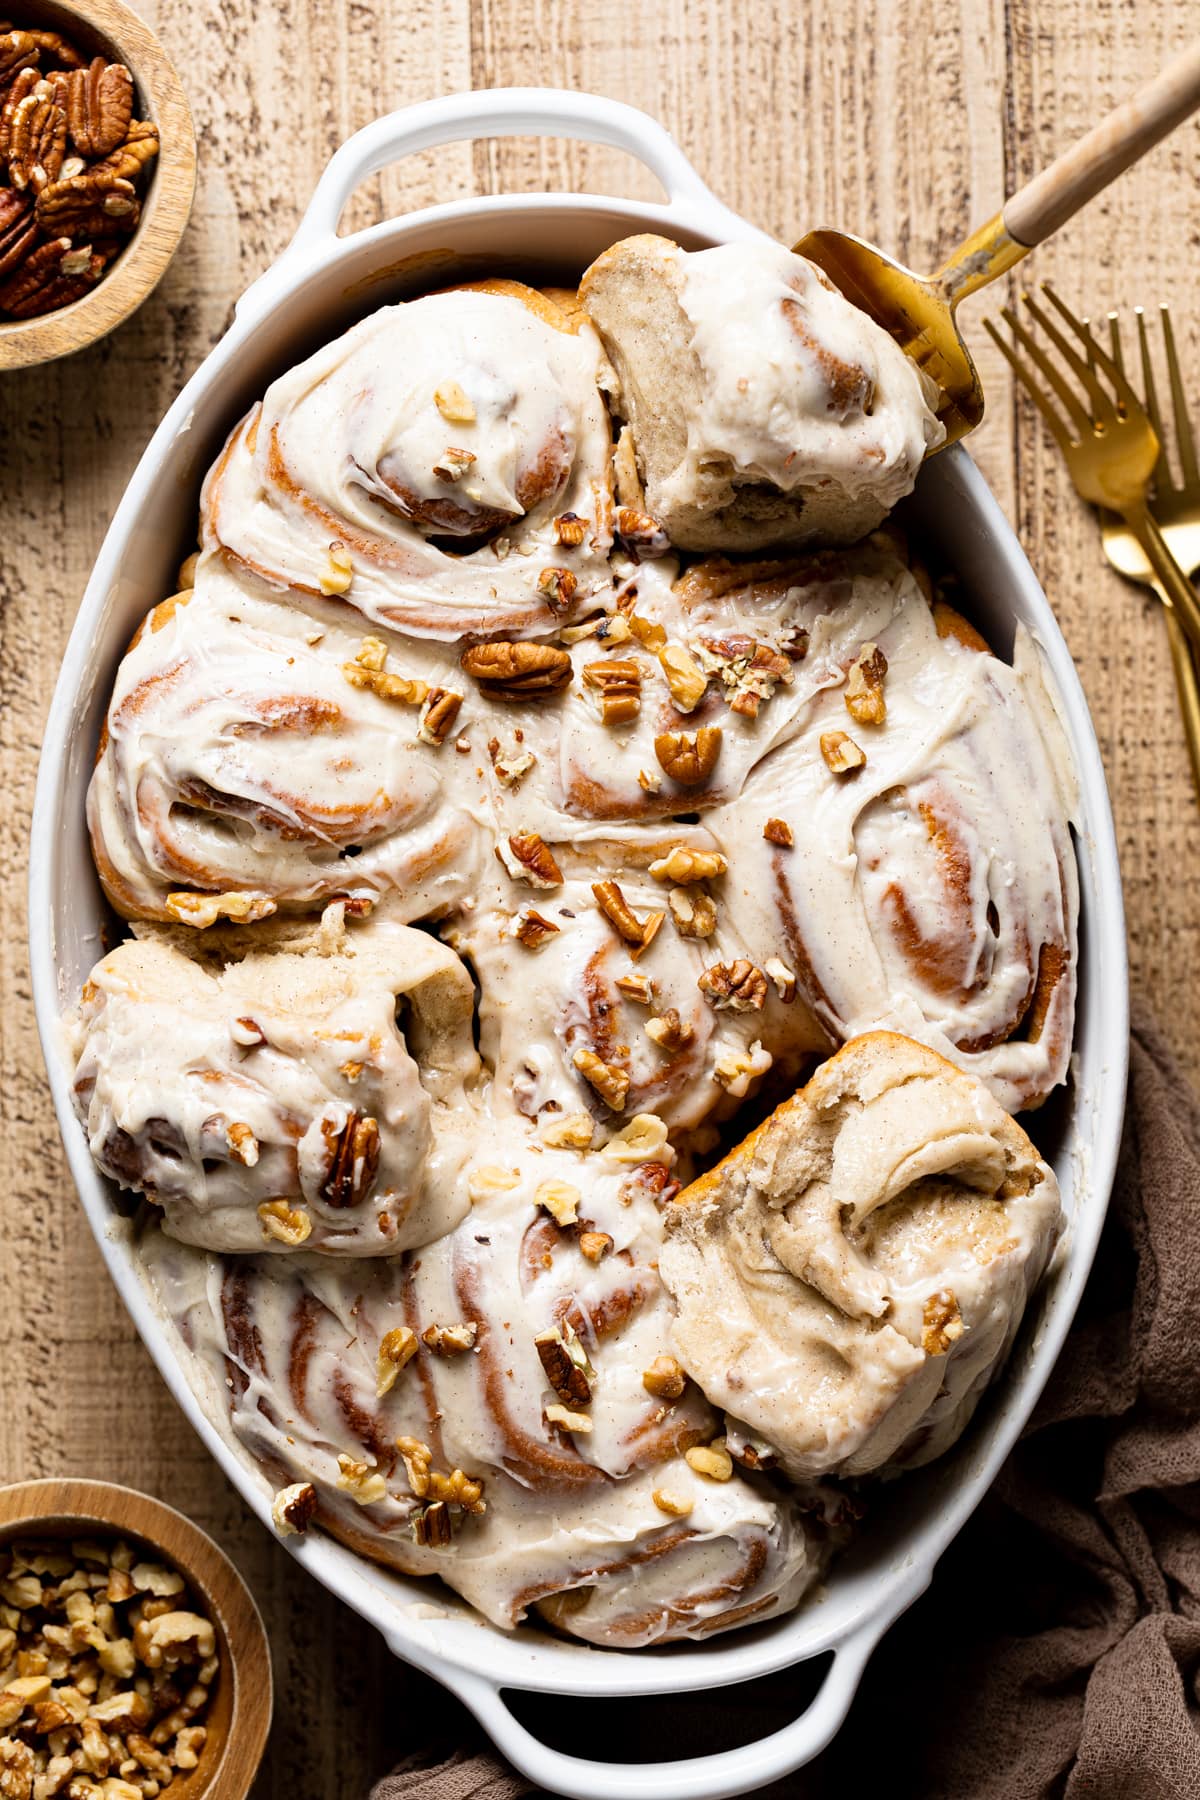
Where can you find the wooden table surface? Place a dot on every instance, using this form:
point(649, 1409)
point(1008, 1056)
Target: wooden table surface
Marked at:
point(903, 120)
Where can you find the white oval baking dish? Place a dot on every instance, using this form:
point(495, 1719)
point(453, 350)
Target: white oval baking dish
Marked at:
point(320, 284)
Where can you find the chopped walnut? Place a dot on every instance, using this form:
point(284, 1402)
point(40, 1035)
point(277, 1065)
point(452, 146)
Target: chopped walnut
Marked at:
point(559, 1199)
point(364, 1484)
point(864, 686)
point(643, 1140)
point(665, 1378)
point(293, 1508)
point(568, 1420)
point(689, 757)
point(778, 831)
point(710, 1460)
point(618, 686)
point(683, 866)
point(338, 572)
point(454, 463)
point(396, 1350)
point(736, 986)
point(527, 858)
point(942, 1323)
point(669, 1031)
point(595, 1245)
point(283, 1223)
point(532, 930)
point(674, 1504)
point(243, 1145)
point(450, 1340)
point(610, 1082)
point(693, 911)
point(842, 755)
point(734, 1070)
point(567, 1131)
point(202, 910)
point(487, 1179)
point(452, 402)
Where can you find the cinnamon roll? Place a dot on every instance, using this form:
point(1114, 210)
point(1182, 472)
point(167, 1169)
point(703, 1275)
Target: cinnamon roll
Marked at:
point(764, 408)
point(309, 1087)
point(502, 1411)
point(443, 467)
point(849, 1279)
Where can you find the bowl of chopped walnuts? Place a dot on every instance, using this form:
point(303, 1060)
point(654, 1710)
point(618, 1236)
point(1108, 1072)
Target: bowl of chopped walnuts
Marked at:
point(133, 1662)
point(97, 173)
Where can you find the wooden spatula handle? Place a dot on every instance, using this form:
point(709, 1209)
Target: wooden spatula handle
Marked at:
point(1108, 149)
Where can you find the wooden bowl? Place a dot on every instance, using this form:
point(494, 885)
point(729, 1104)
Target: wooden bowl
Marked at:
point(239, 1714)
point(108, 27)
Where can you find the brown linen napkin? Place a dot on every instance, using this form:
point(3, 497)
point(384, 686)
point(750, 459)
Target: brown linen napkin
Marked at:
point(1057, 1652)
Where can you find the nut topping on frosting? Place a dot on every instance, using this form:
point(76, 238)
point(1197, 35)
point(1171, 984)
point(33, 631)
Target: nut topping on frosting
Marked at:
point(610, 1082)
point(842, 755)
point(778, 831)
point(693, 911)
point(519, 671)
point(527, 857)
point(689, 757)
point(736, 985)
point(682, 865)
point(864, 686)
point(618, 684)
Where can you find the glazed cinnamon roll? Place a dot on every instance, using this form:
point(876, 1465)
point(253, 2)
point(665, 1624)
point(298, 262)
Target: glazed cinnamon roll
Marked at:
point(503, 1410)
point(764, 408)
point(849, 1279)
point(444, 467)
point(311, 1087)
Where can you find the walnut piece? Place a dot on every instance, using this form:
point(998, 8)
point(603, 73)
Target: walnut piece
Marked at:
point(202, 910)
point(517, 671)
point(942, 1323)
point(685, 678)
point(293, 1508)
point(842, 755)
point(364, 1484)
point(736, 986)
point(682, 865)
point(595, 1245)
point(669, 1031)
point(693, 911)
point(568, 1420)
point(781, 978)
point(734, 1070)
point(673, 1504)
point(610, 1082)
point(689, 757)
point(559, 1199)
point(526, 857)
point(450, 1340)
point(396, 1350)
point(713, 1461)
point(567, 1131)
point(665, 1378)
point(864, 686)
point(284, 1224)
point(453, 404)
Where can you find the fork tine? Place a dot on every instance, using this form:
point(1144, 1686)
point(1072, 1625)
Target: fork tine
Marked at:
point(1103, 409)
point(1162, 468)
point(1124, 392)
point(1183, 425)
point(1026, 377)
point(1077, 412)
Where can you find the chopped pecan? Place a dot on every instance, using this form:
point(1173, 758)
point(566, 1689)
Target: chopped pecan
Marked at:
point(18, 230)
point(842, 755)
point(454, 463)
point(641, 533)
point(353, 1160)
point(527, 857)
point(689, 757)
point(684, 866)
point(431, 1527)
point(99, 106)
point(532, 930)
point(685, 678)
point(610, 1082)
point(864, 686)
point(565, 1363)
point(37, 140)
point(557, 588)
point(669, 1031)
point(438, 713)
point(618, 683)
point(693, 911)
point(570, 530)
point(595, 1245)
point(636, 986)
point(942, 1323)
point(509, 765)
point(736, 986)
point(778, 831)
point(517, 671)
point(613, 904)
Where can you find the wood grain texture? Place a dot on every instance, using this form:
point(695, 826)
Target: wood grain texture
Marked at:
point(903, 120)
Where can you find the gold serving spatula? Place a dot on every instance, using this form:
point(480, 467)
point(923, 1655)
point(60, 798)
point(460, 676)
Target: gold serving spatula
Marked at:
point(918, 310)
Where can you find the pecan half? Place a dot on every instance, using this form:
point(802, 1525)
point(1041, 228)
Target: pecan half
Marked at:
point(516, 671)
point(99, 106)
point(613, 904)
point(618, 683)
point(139, 147)
point(737, 986)
point(18, 230)
point(565, 1364)
point(18, 50)
point(527, 857)
point(23, 85)
point(37, 140)
point(354, 1160)
point(93, 204)
point(40, 285)
point(689, 757)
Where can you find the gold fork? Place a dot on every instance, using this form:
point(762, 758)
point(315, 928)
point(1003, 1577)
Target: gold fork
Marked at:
point(1176, 508)
point(1110, 446)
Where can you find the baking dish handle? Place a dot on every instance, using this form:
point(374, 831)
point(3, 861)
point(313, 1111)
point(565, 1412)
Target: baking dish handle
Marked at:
point(498, 112)
point(738, 1771)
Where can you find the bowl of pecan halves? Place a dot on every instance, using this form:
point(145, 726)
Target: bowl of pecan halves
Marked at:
point(97, 171)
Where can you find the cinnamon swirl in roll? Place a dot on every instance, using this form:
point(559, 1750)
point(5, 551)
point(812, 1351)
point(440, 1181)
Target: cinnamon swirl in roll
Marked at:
point(313, 1087)
point(764, 408)
point(849, 1279)
point(443, 468)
